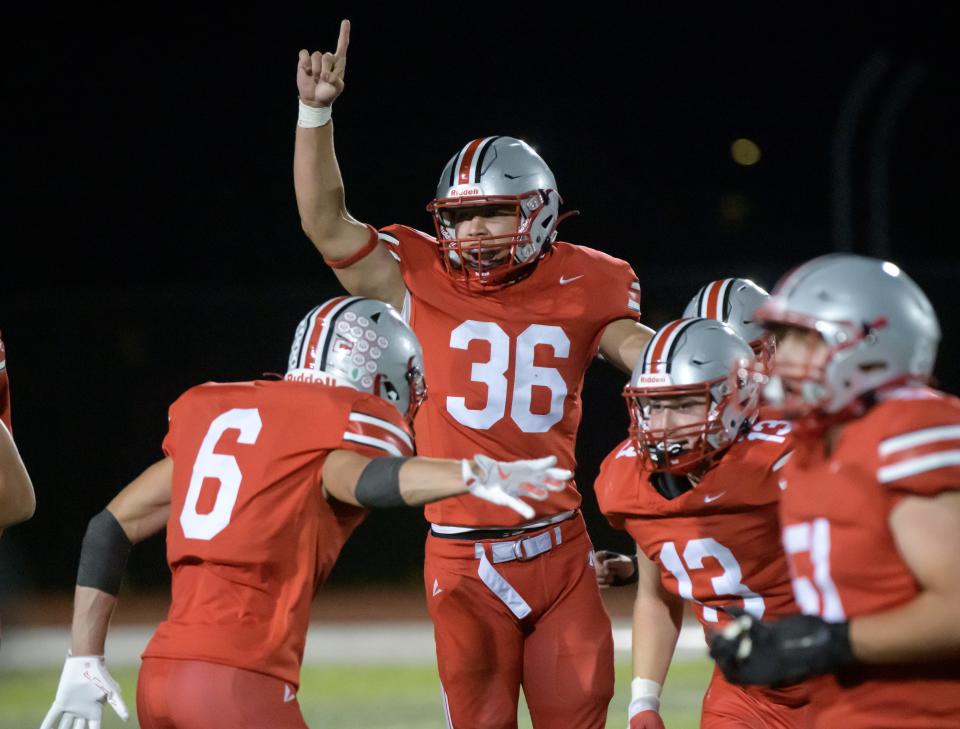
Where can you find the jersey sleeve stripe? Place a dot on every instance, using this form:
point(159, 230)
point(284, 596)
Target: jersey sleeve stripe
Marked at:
point(389, 239)
point(374, 443)
point(371, 420)
point(913, 466)
point(918, 438)
point(633, 305)
point(782, 461)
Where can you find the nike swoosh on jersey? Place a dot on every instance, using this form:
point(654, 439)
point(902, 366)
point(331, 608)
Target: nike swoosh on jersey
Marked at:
point(707, 498)
point(568, 280)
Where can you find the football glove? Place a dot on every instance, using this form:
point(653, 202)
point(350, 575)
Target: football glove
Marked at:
point(85, 685)
point(507, 483)
point(750, 651)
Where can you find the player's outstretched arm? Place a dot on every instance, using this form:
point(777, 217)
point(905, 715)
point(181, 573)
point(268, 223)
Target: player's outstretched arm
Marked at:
point(387, 482)
point(360, 262)
point(17, 500)
point(137, 512)
point(622, 343)
point(657, 615)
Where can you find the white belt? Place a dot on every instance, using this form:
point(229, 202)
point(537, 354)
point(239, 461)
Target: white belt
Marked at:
point(521, 549)
point(554, 519)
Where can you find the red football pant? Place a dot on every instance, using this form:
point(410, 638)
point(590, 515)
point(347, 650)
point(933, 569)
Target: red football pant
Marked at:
point(727, 706)
point(175, 694)
point(561, 652)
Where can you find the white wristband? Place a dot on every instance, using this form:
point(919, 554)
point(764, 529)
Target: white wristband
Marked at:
point(644, 696)
point(311, 116)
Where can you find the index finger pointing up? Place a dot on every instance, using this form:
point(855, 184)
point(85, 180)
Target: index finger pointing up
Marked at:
point(344, 40)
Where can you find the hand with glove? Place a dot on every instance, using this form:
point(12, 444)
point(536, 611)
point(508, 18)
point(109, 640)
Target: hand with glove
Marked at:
point(508, 483)
point(85, 685)
point(750, 651)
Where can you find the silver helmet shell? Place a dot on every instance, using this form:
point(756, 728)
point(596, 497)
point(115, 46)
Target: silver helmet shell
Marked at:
point(360, 343)
point(734, 301)
point(496, 171)
point(693, 357)
point(879, 326)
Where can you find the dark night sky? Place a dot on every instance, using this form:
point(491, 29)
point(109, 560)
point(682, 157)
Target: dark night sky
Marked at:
point(152, 240)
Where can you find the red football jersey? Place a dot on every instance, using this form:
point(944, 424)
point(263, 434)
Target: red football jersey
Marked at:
point(4, 389)
point(835, 513)
point(250, 536)
point(718, 544)
point(504, 368)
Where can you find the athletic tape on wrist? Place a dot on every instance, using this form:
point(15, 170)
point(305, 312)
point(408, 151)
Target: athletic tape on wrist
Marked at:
point(311, 117)
point(644, 696)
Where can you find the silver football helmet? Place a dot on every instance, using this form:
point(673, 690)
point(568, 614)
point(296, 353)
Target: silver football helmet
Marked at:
point(360, 343)
point(734, 301)
point(504, 175)
point(878, 325)
point(685, 359)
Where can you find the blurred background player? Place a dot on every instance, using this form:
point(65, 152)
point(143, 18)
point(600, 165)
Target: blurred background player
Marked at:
point(509, 319)
point(871, 503)
point(262, 484)
point(17, 500)
point(734, 301)
point(696, 486)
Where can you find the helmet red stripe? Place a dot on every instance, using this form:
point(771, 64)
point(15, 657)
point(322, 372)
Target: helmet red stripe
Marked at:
point(463, 177)
point(317, 332)
point(662, 339)
point(713, 300)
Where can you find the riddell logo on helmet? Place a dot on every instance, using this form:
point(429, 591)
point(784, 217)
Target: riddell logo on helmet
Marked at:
point(463, 191)
point(658, 378)
point(302, 375)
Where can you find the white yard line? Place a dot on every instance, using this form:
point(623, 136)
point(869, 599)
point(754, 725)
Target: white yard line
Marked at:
point(327, 644)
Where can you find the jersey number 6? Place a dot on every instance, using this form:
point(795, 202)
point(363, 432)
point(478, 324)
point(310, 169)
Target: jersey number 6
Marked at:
point(221, 467)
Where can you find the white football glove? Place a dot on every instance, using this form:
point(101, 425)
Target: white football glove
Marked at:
point(85, 685)
point(507, 483)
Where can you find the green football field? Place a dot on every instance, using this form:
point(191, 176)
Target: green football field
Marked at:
point(371, 697)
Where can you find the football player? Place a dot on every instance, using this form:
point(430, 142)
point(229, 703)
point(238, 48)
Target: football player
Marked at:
point(696, 486)
point(262, 484)
point(17, 499)
point(734, 302)
point(510, 319)
point(870, 509)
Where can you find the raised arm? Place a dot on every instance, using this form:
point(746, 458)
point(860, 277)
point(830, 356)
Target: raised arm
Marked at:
point(360, 262)
point(137, 512)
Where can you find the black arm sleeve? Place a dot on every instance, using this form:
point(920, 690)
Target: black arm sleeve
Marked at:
point(103, 556)
point(379, 484)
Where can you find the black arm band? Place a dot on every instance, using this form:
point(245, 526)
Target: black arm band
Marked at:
point(103, 556)
point(379, 484)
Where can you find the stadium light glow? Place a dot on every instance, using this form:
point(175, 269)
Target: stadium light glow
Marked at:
point(745, 152)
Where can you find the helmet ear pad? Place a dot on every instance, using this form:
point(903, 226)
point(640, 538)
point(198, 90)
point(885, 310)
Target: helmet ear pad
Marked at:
point(540, 214)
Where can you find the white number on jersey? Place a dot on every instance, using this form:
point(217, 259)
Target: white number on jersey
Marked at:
point(492, 373)
point(729, 583)
point(775, 431)
point(221, 467)
point(819, 597)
